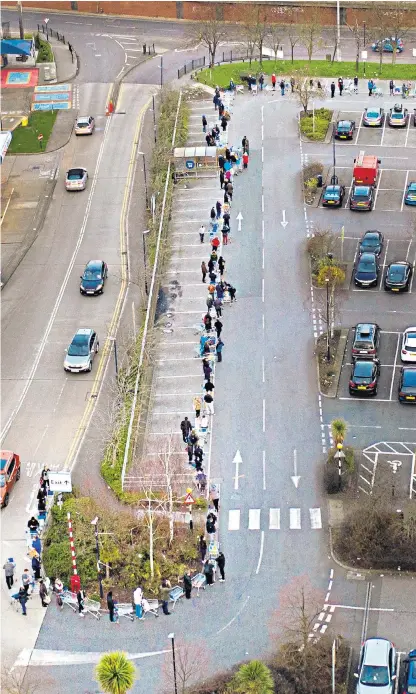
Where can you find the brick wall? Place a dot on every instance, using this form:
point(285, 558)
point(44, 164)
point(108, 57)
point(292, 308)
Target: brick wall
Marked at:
point(277, 12)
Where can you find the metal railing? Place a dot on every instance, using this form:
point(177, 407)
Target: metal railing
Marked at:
point(51, 32)
point(192, 65)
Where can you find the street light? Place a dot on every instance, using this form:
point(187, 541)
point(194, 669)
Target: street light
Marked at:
point(328, 351)
point(145, 179)
point(97, 545)
point(145, 261)
point(333, 145)
point(172, 637)
point(114, 339)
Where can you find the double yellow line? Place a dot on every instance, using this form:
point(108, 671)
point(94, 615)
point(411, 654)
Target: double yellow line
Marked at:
point(85, 419)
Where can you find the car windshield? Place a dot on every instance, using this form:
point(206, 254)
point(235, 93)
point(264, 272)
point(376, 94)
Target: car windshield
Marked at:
point(363, 344)
point(375, 675)
point(92, 274)
point(344, 125)
point(2, 481)
point(370, 240)
point(411, 340)
point(331, 193)
point(82, 123)
point(412, 188)
point(396, 273)
point(373, 114)
point(75, 175)
point(78, 347)
point(363, 369)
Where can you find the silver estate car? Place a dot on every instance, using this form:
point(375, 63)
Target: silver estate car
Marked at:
point(82, 350)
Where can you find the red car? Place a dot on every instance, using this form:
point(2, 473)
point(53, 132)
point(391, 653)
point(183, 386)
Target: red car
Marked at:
point(9, 474)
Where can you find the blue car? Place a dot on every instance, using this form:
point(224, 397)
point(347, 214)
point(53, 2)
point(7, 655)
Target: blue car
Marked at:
point(410, 196)
point(333, 196)
point(388, 45)
point(410, 674)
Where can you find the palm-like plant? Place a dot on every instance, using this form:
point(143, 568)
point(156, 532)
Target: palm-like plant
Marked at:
point(115, 673)
point(338, 430)
point(253, 678)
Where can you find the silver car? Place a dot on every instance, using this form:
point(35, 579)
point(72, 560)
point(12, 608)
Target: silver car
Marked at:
point(85, 125)
point(76, 179)
point(82, 350)
point(408, 353)
point(377, 669)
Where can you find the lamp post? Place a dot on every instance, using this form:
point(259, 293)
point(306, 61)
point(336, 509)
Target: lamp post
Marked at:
point(97, 545)
point(172, 637)
point(145, 261)
point(145, 179)
point(328, 351)
point(333, 146)
point(114, 339)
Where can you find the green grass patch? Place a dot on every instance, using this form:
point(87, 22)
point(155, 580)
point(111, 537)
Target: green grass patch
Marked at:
point(45, 52)
point(317, 131)
point(25, 139)
point(222, 74)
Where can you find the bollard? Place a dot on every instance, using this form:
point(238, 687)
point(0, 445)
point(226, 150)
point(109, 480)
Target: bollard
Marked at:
point(144, 49)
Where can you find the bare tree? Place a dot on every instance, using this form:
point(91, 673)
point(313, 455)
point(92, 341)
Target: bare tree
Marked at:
point(299, 605)
point(19, 680)
point(396, 18)
point(191, 661)
point(210, 33)
point(306, 90)
point(249, 31)
point(356, 30)
point(378, 28)
point(310, 33)
point(261, 31)
point(274, 38)
point(292, 31)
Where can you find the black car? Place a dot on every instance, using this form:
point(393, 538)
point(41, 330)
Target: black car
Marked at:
point(362, 198)
point(372, 242)
point(407, 385)
point(94, 277)
point(344, 129)
point(366, 340)
point(333, 196)
point(367, 270)
point(398, 276)
point(364, 377)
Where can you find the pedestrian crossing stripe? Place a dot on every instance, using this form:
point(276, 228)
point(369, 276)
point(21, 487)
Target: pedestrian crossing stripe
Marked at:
point(295, 519)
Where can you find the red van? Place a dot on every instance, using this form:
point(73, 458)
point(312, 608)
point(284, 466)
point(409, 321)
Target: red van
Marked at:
point(9, 474)
point(366, 169)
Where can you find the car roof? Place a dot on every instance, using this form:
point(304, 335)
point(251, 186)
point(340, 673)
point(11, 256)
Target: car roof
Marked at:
point(365, 328)
point(376, 651)
point(399, 263)
point(364, 366)
point(364, 190)
point(5, 457)
point(83, 331)
point(372, 232)
point(409, 375)
point(94, 263)
point(367, 257)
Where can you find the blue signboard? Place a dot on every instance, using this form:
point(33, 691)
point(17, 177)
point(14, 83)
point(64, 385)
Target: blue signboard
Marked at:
point(56, 96)
point(190, 164)
point(54, 88)
point(58, 106)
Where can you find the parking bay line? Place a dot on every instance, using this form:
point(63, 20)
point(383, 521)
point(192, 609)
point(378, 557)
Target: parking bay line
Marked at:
point(404, 190)
point(366, 399)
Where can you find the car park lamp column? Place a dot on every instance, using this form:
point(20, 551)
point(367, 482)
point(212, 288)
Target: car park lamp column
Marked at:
point(328, 351)
point(145, 179)
point(97, 545)
point(145, 261)
point(172, 637)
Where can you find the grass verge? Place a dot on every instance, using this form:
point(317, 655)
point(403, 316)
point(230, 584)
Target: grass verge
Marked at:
point(222, 74)
point(315, 127)
point(25, 139)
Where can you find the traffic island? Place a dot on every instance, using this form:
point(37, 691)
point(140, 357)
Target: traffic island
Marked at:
point(315, 126)
point(329, 370)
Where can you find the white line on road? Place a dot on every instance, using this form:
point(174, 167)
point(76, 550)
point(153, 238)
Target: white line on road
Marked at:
point(316, 520)
point(264, 470)
point(264, 415)
point(274, 519)
point(234, 519)
point(242, 608)
point(254, 518)
point(262, 203)
point(294, 518)
point(263, 371)
point(262, 290)
point(261, 551)
point(262, 266)
point(262, 229)
point(404, 191)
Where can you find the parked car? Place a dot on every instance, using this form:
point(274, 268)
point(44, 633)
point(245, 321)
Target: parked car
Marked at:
point(398, 116)
point(366, 271)
point(333, 196)
point(366, 340)
point(344, 129)
point(410, 194)
point(85, 125)
point(76, 179)
point(377, 667)
point(9, 474)
point(364, 377)
point(94, 277)
point(386, 45)
point(398, 276)
point(82, 350)
point(372, 241)
point(408, 352)
point(409, 685)
point(362, 198)
point(374, 116)
point(407, 385)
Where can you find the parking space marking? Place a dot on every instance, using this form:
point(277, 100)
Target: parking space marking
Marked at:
point(377, 189)
point(365, 399)
point(395, 363)
point(408, 130)
point(404, 190)
point(383, 131)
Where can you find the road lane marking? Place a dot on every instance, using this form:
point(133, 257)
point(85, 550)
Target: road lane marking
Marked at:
point(234, 519)
point(254, 518)
point(264, 470)
point(261, 552)
point(274, 519)
point(264, 415)
point(316, 519)
point(294, 519)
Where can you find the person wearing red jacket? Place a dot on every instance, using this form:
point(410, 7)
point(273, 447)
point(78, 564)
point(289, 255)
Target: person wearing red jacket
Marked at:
point(245, 160)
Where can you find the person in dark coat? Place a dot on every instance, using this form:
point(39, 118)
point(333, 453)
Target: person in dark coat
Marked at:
point(230, 190)
point(210, 527)
point(43, 593)
point(221, 265)
point(186, 427)
point(221, 565)
point(199, 454)
point(80, 600)
point(22, 598)
point(224, 124)
point(203, 270)
point(221, 178)
point(207, 370)
point(208, 139)
point(218, 327)
point(221, 109)
point(36, 567)
point(221, 161)
point(187, 584)
point(110, 605)
point(41, 504)
point(219, 348)
point(245, 143)
point(228, 154)
point(33, 524)
point(209, 572)
point(340, 85)
point(226, 198)
point(202, 547)
point(213, 213)
point(332, 89)
point(218, 208)
point(204, 124)
point(190, 451)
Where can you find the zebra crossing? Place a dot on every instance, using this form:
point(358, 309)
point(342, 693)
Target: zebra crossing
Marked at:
point(276, 519)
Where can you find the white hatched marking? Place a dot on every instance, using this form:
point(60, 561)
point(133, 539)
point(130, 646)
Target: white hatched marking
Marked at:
point(254, 518)
point(234, 519)
point(294, 522)
point(316, 520)
point(274, 519)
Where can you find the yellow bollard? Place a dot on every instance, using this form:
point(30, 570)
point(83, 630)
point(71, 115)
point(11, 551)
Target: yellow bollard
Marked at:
point(25, 121)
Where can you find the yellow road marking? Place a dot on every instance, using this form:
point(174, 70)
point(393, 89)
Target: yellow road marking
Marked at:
point(82, 427)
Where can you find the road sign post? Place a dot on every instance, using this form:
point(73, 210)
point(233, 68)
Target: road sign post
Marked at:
point(339, 455)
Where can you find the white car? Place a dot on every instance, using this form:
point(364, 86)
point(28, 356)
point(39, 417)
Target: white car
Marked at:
point(377, 669)
point(85, 125)
point(81, 351)
point(76, 179)
point(408, 352)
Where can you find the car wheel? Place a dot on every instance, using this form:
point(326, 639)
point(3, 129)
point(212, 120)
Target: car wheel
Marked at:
point(6, 501)
point(97, 347)
point(18, 474)
point(90, 366)
point(375, 392)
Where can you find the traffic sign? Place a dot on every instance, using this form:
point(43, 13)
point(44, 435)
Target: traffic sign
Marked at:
point(40, 137)
point(189, 499)
point(60, 481)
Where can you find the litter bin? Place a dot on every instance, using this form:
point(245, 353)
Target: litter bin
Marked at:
point(25, 121)
point(319, 179)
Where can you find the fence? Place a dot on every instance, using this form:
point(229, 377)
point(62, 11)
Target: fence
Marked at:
point(51, 32)
point(192, 65)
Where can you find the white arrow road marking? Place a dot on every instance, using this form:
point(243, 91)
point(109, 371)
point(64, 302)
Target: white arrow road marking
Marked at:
point(239, 220)
point(295, 477)
point(237, 460)
point(284, 222)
